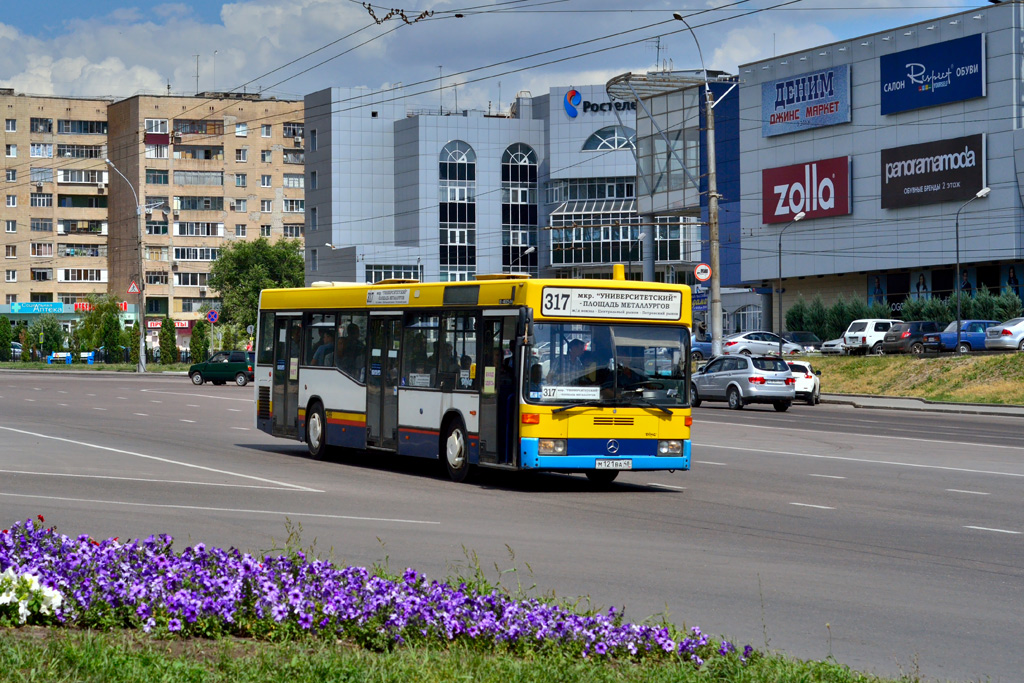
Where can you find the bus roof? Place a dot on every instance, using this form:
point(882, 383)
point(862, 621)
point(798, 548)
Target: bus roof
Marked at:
point(610, 300)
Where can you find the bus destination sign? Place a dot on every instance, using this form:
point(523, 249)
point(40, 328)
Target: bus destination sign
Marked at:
point(630, 304)
point(387, 297)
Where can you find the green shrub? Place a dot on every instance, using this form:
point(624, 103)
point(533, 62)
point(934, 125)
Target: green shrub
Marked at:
point(796, 316)
point(817, 316)
point(6, 337)
point(168, 342)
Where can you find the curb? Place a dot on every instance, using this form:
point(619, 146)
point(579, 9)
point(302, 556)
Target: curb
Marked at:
point(922, 405)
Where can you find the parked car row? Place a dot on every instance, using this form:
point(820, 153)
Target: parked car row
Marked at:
point(878, 336)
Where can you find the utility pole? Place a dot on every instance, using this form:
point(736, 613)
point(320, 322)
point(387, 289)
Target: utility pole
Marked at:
point(715, 303)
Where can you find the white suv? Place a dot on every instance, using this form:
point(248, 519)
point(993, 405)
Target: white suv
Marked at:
point(865, 336)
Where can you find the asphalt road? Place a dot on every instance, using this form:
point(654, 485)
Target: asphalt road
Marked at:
point(892, 540)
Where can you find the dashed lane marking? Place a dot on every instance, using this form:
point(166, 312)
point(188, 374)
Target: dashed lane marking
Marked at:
point(973, 493)
point(709, 462)
point(666, 486)
point(150, 481)
point(826, 476)
point(998, 531)
point(808, 505)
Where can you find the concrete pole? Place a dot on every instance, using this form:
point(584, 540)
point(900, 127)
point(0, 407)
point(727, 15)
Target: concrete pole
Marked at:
point(715, 299)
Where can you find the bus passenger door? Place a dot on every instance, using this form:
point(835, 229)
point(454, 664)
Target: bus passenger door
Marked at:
point(498, 395)
point(287, 348)
point(382, 379)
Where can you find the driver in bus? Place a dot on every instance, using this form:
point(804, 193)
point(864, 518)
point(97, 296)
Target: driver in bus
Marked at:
point(570, 366)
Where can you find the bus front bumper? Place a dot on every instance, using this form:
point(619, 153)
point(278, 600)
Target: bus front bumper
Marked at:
point(592, 454)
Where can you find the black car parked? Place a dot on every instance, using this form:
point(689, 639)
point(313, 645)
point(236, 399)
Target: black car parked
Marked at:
point(908, 337)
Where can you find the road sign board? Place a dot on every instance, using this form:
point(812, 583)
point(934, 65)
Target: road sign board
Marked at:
point(249, 329)
point(702, 272)
point(212, 316)
point(133, 288)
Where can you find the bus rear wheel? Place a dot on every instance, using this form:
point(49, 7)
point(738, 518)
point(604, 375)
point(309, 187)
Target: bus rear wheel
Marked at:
point(316, 432)
point(455, 451)
point(602, 477)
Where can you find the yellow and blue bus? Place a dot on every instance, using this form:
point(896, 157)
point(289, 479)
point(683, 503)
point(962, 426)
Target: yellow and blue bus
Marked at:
point(504, 372)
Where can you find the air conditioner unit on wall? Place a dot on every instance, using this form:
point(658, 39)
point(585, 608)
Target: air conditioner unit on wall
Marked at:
point(202, 291)
point(298, 141)
point(101, 188)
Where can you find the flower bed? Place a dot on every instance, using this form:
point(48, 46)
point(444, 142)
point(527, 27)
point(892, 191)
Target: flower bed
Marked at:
point(144, 584)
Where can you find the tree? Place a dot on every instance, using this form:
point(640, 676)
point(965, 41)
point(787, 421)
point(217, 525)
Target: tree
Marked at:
point(1008, 305)
point(913, 309)
point(91, 322)
point(110, 335)
point(75, 345)
point(244, 269)
point(837, 319)
point(6, 337)
point(168, 342)
point(199, 345)
point(52, 334)
point(133, 345)
point(796, 316)
point(984, 304)
point(817, 316)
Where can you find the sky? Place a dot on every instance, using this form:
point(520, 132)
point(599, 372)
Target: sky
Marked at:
point(470, 53)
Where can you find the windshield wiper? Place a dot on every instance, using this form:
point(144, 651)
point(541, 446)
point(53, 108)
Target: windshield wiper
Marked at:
point(584, 404)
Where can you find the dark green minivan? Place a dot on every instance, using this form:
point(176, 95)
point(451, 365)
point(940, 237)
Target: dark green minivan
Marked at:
point(224, 366)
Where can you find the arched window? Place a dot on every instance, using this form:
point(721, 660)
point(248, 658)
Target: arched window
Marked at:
point(519, 209)
point(457, 211)
point(612, 137)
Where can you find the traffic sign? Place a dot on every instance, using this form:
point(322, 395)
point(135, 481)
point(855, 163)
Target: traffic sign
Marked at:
point(134, 288)
point(212, 316)
point(702, 272)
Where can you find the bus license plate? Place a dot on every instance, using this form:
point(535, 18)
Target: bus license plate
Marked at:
point(613, 465)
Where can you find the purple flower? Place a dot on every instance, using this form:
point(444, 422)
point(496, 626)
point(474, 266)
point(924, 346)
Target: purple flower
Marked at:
point(174, 625)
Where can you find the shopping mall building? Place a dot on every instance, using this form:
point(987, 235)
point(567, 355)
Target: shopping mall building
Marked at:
point(881, 141)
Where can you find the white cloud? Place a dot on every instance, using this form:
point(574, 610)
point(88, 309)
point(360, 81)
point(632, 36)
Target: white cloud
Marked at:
point(749, 44)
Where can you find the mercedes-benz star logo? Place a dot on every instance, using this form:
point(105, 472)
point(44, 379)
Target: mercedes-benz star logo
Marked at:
point(613, 446)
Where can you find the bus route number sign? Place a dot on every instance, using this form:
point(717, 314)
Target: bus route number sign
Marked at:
point(627, 304)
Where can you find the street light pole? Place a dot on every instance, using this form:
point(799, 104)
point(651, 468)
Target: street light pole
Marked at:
point(715, 303)
point(796, 218)
point(519, 258)
point(141, 283)
point(983, 192)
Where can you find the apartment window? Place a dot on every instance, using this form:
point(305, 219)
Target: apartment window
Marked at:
point(11, 150)
point(83, 275)
point(12, 175)
point(11, 125)
point(12, 276)
point(41, 249)
point(156, 227)
point(240, 230)
point(12, 200)
point(240, 180)
point(191, 279)
point(156, 125)
point(11, 251)
point(12, 298)
point(264, 231)
point(193, 305)
point(266, 205)
point(156, 151)
point(314, 260)
point(211, 178)
point(199, 229)
point(156, 277)
point(82, 127)
point(312, 180)
point(198, 203)
point(157, 176)
point(293, 230)
point(42, 274)
point(81, 151)
point(266, 156)
point(242, 155)
point(88, 250)
point(40, 150)
point(294, 156)
point(294, 180)
point(11, 226)
point(294, 205)
point(241, 130)
point(41, 199)
point(41, 225)
point(239, 205)
point(312, 140)
point(195, 254)
point(312, 218)
point(265, 130)
point(293, 130)
point(81, 176)
point(41, 175)
point(39, 125)
point(265, 181)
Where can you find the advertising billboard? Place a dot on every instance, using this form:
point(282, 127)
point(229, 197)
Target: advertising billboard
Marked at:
point(811, 100)
point(932, 172)
point(818, 188)
point(934, 74)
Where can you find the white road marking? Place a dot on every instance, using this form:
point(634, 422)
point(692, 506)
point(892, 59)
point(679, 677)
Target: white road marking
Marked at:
point(1000, 531)
point(879, 436)
point(152, 481)
point(808, 505)
point(123, 398)
point(235, 410)
point(90, 394)
point(666, 486)
point(974, 493)
point(97, 408)
point(826, 476)
point(159, 459)
point(867, 460)
point(30, 400)
point(63, 405)
point(276, 513)
point(179, 393)
point(708, 462)
point(192, 421)
point(62, 392)
point(141, 414)
point(191, 405)
point(156, 401)
point(244, 429)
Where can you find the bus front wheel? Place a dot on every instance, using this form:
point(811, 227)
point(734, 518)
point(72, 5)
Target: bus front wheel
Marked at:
point(316, 432)
point(455, 451)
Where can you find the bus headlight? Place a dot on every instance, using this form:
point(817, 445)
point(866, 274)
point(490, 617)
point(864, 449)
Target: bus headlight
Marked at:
point(670, 447)
point(551, 447)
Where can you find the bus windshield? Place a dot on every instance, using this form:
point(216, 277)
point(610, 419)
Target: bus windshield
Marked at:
point(608, 364)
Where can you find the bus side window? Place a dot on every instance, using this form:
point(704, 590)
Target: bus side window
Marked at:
point(419, 366)
point(351, 355)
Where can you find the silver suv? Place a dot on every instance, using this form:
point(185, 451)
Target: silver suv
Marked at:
point(744, 379)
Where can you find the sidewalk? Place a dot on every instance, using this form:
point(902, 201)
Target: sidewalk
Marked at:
point(920, 404)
